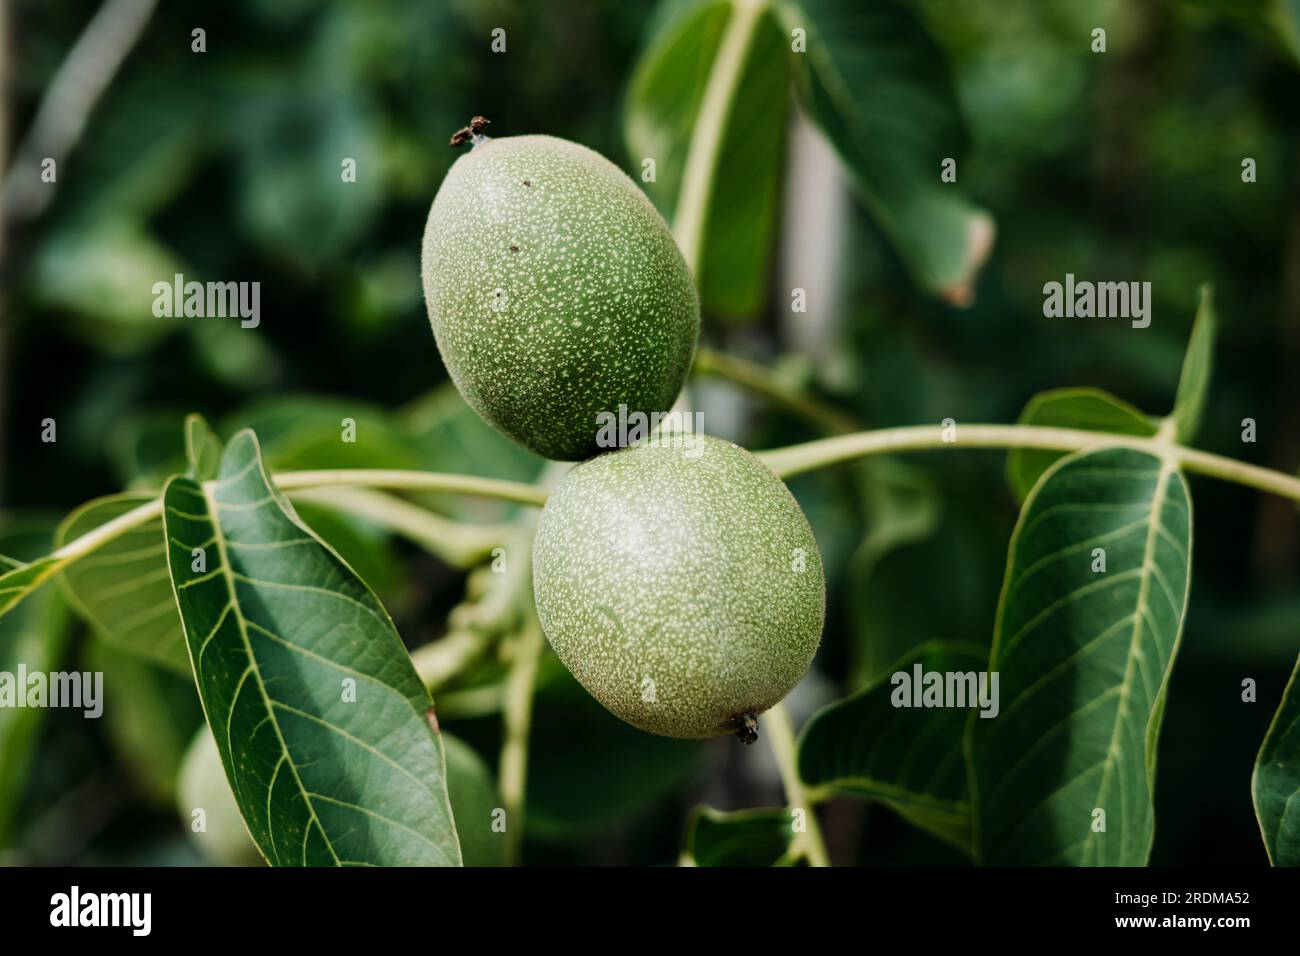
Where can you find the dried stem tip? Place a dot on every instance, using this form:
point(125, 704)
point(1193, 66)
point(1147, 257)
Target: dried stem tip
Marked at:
point(474, 131)
point(747, 727)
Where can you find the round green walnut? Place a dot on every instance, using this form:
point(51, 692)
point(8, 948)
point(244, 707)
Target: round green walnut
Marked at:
point(681, 585)
point(556, 292)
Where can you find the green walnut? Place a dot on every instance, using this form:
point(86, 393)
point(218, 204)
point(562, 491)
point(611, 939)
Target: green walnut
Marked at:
point(555, 291)
point(680, 583)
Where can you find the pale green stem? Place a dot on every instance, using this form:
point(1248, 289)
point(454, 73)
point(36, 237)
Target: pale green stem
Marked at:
point(290, 480)
point(518, 716)
point(440, 660)
point(489, 611)
point(415, 481)
point(459, 543)
point(797, 459)
point(475, 702)
point(786, 462)
point(108, 531)
point(758, 379)
point(780, 734)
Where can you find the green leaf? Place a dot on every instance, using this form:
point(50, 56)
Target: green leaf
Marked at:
point(1275, 784)
point(663, 109)
point(902, 508)
point(664, 95)
point(1274, 21)
point(226, 352)
point(304, 432)
point(475, 801)
point(448, 435)
point(22, 579)
point(942, 585)
point(1090, 409)
point(33, 635)
point(1084, 660)
point(1286, 21)
point(740, 221)
point(910, 759)
point(307, 433)
point(123, 590)
point(280, 630)
point(745, 838)
point(877, 85)
point(367, 549)
point(289, 200)
point(146, 447)
point(100, 270)
point(202, 448)
point(1198, 363)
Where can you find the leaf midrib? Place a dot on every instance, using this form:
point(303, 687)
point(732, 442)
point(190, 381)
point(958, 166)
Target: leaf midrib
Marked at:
point(690, 218)
point(1164, 450)
point(228, 576)
point(1139, 623)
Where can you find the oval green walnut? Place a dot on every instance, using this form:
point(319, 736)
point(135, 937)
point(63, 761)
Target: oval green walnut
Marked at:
point(681, 585)
point(556, 292)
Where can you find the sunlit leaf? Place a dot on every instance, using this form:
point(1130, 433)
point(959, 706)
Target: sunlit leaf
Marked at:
point(123, 589)
point(323, 726)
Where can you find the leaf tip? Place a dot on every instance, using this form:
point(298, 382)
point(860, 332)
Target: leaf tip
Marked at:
point(981, 231)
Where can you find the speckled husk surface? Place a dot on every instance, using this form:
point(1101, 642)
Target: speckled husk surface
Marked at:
point(680, 584)
point(556, 292)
